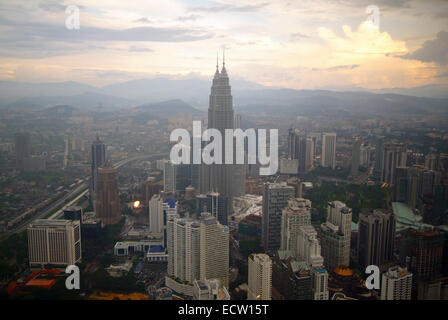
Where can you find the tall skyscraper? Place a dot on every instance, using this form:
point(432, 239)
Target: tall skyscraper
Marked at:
point(296, 214)
point(376, 237)
point(275, 199)
point(98, 159)
point(107, 199)
point(329, 150)
point(156, 215)
point(335, 235)
point(183, 246)
point(394, 155)
point(169, 177)
point(54, 242)
point(302, 148)
point(219, 177)
point(214, 203)
point(396, 284)
point(22, 148)
point(309, 251)
point(424, 252)
point(198, 249)
point(214, 250)
point(379, 156)
point(356, 156)
point(308, 247)
point(259, 277)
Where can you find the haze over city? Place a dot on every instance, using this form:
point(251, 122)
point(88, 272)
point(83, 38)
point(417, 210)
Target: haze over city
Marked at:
point(254, 153)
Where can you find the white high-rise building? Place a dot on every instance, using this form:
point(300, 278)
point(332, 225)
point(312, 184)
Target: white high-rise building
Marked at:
point(329, 150)
point(214, 249)
point(308, 247)
point(296, 214)
point(156, 215)
point(198, 249)
point(309, 251)
point(260, 277)
point(183, 246)
point(320, 284)
point(54, 242)
point(396, 284)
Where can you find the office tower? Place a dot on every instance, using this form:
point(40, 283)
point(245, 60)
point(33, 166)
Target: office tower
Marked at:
point(292, 142)
point(333, 246)
point(259, 277)
point(320, 283)
point(54, 242)
point(169, 177)
point(301, 148)
point(335, 235)
point(394, 155)
point(396, 284)
point(290, 278)
point(149, 189)
point(98, 159)
point(219, 177)
point(297, 185)
point(183, 176)
point(169, 208)
point(424, 249)
point(309, 154)
point(209, 289)
point(214, 203)
point(183, 246)
point(156, 215)
point(73, 213)
point(400, 185)
point(379, 156)
point(275, 199)
point(237, 121)
point(340, 215)
point(296, 214)
point(214, 250)
point(364, 159)
point(329, 150)
point(308, 247)
point(356, 156)
point(107, 200)
point(376, 236)
point(22, 148)
point(309, 251)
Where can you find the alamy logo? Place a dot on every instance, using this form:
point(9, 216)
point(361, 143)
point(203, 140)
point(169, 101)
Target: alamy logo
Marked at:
point(212, 152)
point(72, 281)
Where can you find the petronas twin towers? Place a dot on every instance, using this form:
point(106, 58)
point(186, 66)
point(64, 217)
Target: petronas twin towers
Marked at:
point(220, 177)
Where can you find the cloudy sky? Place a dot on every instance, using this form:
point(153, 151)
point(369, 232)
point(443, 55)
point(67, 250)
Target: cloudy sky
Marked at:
point(297, 44)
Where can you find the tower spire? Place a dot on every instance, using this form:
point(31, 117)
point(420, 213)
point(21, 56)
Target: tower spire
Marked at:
point(217, 52)
point(224, 56)
point(223, 70)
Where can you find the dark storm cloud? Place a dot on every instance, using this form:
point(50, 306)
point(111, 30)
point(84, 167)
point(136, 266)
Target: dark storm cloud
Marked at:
point(435, 50)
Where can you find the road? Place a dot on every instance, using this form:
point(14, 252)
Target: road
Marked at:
point(78, 192)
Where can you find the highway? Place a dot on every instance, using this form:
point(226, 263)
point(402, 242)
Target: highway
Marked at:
point(77, 192)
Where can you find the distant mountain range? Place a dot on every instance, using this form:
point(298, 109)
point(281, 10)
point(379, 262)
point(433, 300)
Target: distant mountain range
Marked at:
point(163, 97)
